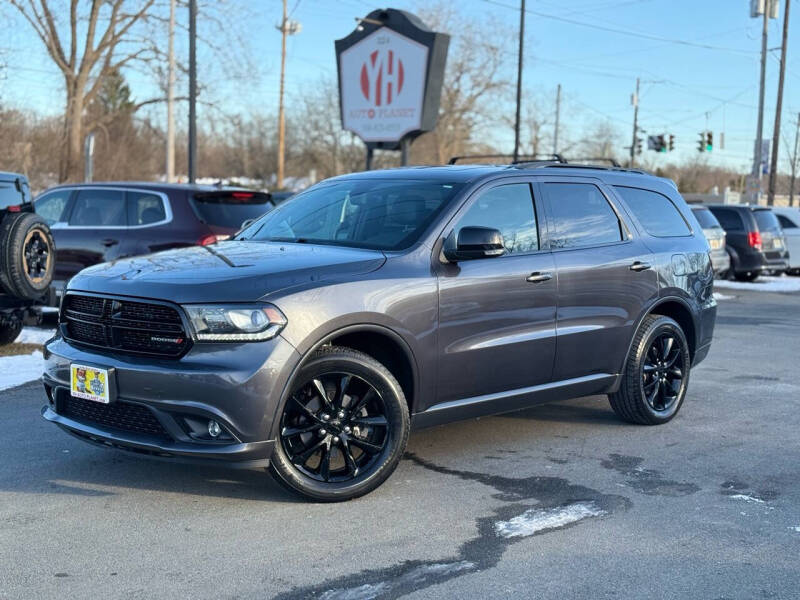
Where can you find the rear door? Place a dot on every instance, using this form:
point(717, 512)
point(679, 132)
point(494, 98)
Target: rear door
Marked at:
point(497, 315)
point(94, 229)
point(605, 276)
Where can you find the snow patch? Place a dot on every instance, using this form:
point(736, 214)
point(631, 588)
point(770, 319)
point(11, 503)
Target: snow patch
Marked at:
point(34, 335)
point(763, 284)
point(719, 296)
point(746, 498)
point(19, 369)
point(537, 519)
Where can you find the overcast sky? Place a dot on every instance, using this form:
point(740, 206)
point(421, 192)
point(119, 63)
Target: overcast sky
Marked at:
point(698, 60)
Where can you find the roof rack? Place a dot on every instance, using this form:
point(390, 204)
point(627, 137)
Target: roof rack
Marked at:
point(531, 158)
point(595, 159)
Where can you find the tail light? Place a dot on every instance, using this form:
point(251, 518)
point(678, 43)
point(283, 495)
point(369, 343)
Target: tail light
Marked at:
point(212, 239)
point(754, 239)
point(15, 208)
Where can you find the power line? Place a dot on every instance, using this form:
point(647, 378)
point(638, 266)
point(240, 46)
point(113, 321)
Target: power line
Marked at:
point(646, 36)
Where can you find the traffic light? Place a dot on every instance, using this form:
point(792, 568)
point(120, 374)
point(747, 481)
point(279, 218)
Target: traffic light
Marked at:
point(638, 145)
point(671, 145)
point(701, 143)
point(662, 144)
point(709, 141)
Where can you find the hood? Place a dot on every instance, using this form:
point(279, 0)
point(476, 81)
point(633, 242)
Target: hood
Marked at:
point(234, 271)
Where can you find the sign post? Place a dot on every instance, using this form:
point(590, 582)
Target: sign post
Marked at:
point(391, 69)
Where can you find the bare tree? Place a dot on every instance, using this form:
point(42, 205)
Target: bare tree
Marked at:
point(86, 47)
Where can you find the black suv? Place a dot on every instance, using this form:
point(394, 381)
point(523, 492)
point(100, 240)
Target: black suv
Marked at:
point(378, 301)
point(755, 240)
point(99, 222)
point(26, 258)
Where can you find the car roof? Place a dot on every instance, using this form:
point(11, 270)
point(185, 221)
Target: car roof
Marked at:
point(469, 173)
point(150, 185)
point(750, 207)
point(9, 176)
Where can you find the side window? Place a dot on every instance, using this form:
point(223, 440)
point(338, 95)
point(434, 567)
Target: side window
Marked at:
point(145, 208)
point(729, 219)
point(99, 208)
point(51, 206)
point(786, 223)
point(581, 216)
point(657, 214)
point(509, 209)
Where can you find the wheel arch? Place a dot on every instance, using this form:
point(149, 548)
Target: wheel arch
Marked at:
point(382, 343)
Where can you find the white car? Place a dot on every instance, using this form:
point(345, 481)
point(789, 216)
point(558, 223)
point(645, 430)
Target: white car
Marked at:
point(789, 218)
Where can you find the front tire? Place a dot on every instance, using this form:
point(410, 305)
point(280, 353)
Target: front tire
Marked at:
point(343, 429)
point(656, 374)
point(747, 275)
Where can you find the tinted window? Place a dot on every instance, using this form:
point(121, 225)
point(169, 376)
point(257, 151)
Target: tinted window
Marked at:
point(99, 208)
point(766, 220)
point(706, 218)
point(509, 209)
point(581, 216)
point(145, 208)
point(231, 209)
point(9, 195)
point(51, 206)
point(657, 214)
point(786, 223)
point(729, 219)
point(384, 214)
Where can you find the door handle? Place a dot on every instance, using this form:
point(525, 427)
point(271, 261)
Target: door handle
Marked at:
point(108, 242)
point(640, 266)
point(538, 277)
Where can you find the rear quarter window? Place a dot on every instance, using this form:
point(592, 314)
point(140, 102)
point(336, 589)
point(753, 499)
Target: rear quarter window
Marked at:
point(729, 219)
point(657, 214)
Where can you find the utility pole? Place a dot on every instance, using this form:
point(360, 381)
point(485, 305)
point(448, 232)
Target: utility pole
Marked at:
point(794, 163)
point(192, 90)
point(286, 28)
point(760, 127)
point(171, 95)
point(519, 77)
point(776, 132)
point(558, 114)
point(635, 101)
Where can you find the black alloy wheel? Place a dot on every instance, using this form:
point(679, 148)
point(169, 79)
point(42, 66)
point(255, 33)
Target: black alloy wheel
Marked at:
point(334, 427)
point(343, 427)
point(662, 372)
point(36, 252)
point(656, 373)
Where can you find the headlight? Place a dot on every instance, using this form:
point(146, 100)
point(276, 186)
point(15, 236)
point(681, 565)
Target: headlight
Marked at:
point(235, 322)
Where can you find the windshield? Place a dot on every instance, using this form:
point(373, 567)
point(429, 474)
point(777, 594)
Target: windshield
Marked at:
point(767, 221)
point(362, 213)
point(230, 209)
point(706, 218)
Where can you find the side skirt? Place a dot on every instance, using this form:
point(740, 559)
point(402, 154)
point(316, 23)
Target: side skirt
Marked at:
point(512, 400)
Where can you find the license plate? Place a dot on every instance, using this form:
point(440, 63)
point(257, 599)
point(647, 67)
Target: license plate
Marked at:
point(777, 244)
point(89, 383)
point(716, 244)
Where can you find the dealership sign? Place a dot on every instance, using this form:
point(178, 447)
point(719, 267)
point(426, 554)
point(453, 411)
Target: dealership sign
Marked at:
point(390, 77)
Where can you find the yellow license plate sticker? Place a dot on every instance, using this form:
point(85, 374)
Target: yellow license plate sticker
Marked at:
point(89, 383)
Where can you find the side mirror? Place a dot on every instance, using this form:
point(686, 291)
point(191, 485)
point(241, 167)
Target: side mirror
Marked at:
point(473, 242)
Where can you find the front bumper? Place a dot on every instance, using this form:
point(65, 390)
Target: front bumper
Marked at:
point(237, 385)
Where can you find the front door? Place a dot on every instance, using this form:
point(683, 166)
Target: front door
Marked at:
point(497, 315)
point(605, 277)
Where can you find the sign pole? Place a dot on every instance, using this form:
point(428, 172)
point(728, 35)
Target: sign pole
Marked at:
point(519, 78)
point(404, 143)
point(368, 166)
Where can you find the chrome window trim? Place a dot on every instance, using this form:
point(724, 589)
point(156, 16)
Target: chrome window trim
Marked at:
point(164, 198)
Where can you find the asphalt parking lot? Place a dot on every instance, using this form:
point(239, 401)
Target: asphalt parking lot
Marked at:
point(561, 501)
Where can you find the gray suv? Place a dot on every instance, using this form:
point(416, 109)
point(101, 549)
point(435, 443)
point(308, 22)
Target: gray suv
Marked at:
point(375, 302)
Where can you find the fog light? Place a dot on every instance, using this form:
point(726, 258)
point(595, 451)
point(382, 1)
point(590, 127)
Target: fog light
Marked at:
point(214, 429)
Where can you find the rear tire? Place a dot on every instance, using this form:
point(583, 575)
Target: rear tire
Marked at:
point(27, 256)
point(656, 374)
point(747, 275)
point(345, 443)
point(9, 332)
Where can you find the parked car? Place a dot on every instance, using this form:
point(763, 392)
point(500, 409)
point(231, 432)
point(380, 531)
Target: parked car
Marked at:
point(26, 258)
point(98, 222)
point(715, 235)
point(754, 240)
point(375, 301)
point(789, 219)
